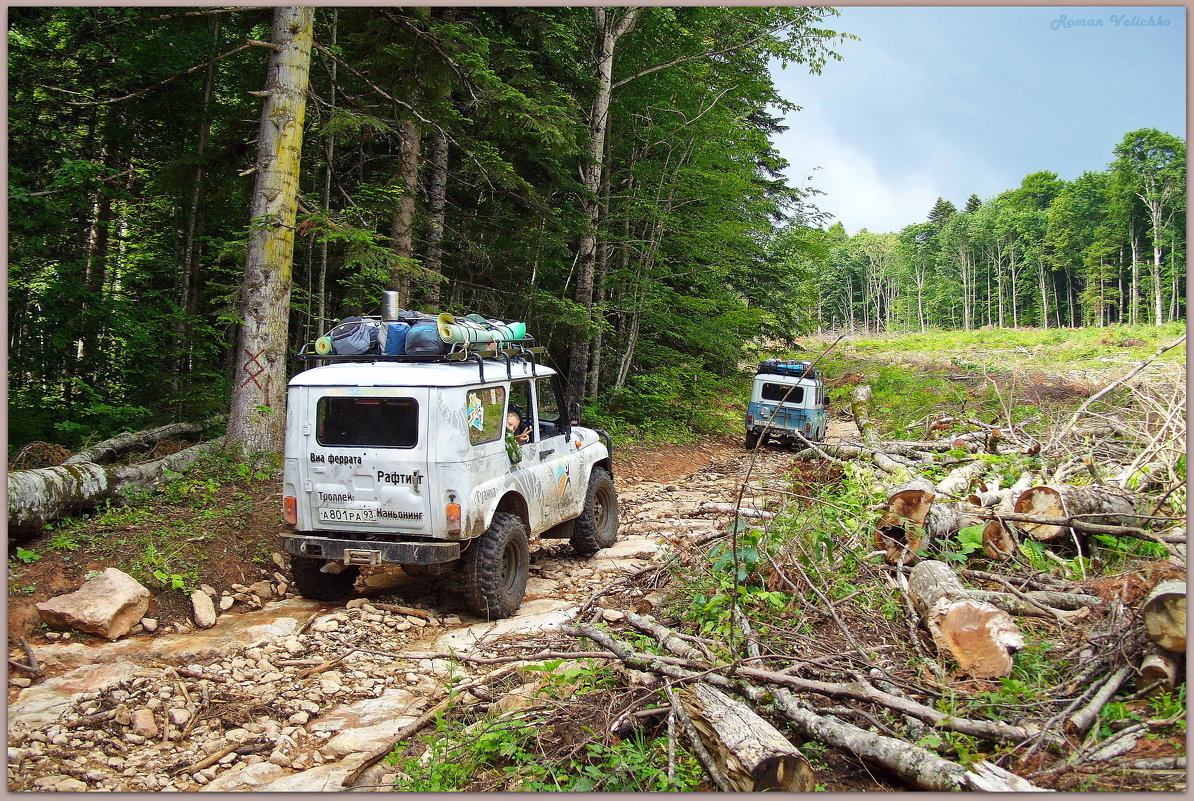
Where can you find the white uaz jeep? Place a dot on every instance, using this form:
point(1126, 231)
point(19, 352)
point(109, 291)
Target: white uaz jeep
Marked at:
point(406, 460)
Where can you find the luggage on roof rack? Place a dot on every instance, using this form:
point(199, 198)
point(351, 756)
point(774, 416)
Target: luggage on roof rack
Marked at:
point(792, 367)
point(522, 350)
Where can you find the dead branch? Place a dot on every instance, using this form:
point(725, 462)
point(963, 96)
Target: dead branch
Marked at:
point(1058, 439)
point(1081, 721)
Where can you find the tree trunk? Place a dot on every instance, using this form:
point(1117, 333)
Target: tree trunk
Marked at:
point(980, 637)
point(748, 750)
point(586, 253)
point(258, 412)
point(1096, 504)
point(437, 196)
point(329, 149)
point(402, 227)
point(38, 497)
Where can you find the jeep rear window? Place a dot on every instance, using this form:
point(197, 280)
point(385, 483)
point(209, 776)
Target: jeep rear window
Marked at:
point(372, 422)
point(777, 392)
point(483, 413)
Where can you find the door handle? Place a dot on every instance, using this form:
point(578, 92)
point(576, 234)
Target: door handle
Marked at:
point(546, 453)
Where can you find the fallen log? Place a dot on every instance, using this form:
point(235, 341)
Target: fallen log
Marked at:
point(958, 481)
point(110, 449)
point(1164, 613)
point(914, 522)
point(37, 497)
point(900, 531)
point(913, 764)
point(1158, 671)
point(751, 754)
point(860, 407)
point(1096, 504)
point(980, 637)
point(999, 539)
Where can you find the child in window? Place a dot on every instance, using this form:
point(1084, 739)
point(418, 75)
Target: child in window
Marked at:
point(514, 426)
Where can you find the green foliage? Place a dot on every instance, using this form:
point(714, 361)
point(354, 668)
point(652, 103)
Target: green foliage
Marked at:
point(506, 751)
point(26, 556)
point(156, 537)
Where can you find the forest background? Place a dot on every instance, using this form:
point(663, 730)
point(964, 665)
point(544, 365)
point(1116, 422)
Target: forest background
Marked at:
point(607, 175)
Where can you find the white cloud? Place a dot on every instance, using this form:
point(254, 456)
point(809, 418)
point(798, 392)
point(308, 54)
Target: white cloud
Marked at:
point(854, 191)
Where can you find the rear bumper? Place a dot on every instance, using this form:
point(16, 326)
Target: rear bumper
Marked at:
point(370, 552)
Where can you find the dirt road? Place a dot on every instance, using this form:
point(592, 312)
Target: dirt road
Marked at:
point(300, 695)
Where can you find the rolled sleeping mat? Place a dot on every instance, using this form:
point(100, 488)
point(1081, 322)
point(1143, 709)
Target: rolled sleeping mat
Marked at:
point(456, 332)
point(323, 346)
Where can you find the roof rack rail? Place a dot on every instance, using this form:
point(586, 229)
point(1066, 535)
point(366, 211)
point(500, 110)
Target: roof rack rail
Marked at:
point(508, 351)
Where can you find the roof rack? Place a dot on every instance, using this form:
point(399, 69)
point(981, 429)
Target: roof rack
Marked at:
point(792, 367)
point(508, 351)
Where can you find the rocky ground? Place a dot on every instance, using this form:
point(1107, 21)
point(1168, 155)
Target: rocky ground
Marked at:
point(303, 696)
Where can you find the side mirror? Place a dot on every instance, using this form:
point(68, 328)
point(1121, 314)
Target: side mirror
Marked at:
point(574, 414)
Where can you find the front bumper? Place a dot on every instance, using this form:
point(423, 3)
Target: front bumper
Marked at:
point(370, 552)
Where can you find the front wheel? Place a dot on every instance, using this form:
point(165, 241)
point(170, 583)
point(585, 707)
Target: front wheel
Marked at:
point(597, 526)
point(495, 568)
point(311, 582)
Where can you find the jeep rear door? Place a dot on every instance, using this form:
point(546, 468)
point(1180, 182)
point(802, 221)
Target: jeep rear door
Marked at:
point(366, 461)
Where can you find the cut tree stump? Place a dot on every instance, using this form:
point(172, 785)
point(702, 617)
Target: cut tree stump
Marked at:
point(1095, 504)
point(1164, 613)
point(750, 752)
point(980, 637)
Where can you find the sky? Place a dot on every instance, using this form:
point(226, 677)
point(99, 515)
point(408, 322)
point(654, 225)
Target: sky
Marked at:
point(953, 101)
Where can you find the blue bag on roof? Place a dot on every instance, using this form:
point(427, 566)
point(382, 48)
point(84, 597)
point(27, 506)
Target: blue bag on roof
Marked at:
point(423, 338)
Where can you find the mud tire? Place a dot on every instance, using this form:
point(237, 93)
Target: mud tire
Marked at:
point(597, 526)
point(752, 439)
point(318, 586)
point(494, 568)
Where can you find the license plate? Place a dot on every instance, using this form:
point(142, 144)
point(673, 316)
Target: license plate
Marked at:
point(336, 514)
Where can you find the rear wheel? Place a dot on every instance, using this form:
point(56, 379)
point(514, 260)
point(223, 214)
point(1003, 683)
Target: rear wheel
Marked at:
point(752, 439)
point(495, 568)
point(311, 582)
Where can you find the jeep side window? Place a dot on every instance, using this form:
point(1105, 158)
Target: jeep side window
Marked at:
point(371, 422)
point(549, 408)
point(520, 404)
point(484, 411)
point(779, 392)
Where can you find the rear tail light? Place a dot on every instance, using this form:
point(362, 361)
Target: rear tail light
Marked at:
point(453, 514)
point(750, 419)
point(290, 510)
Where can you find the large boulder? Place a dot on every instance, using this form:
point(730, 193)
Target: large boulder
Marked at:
point(108, 606)
point(203, 609)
